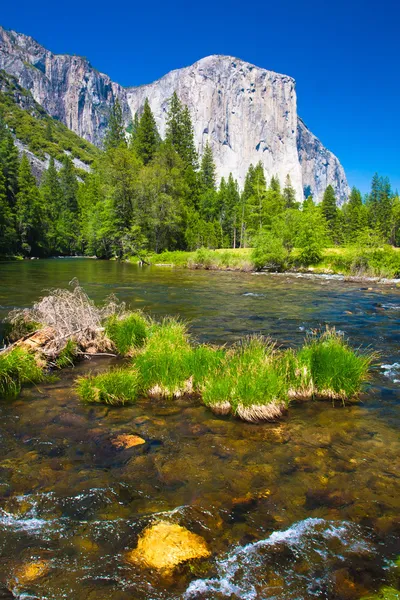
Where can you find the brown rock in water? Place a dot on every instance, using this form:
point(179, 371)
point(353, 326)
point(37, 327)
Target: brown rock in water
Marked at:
point(31, 571)
point(164, 546)
point(125, 441)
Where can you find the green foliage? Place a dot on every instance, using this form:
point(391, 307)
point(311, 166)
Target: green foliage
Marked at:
point(329, 210)
point(146, 138)
point(115, 135)
point(311, 236)
point(31, 124)
point(269, 252)
point(179, 132)
point(337, 371)
point(208, 170)
point(17, 367)
point(117, 387)
point(248, 377)
point(67, 356)
point(164, 365)
point(128, 332)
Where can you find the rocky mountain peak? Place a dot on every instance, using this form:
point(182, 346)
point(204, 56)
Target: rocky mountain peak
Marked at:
point(247, 113)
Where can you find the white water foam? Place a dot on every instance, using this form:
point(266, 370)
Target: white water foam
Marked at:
point(239, 573)
point(392, 371)
point(254, 295)
point(30, 524)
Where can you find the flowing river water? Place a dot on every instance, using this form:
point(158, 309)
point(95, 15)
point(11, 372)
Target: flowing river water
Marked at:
point(304, 508)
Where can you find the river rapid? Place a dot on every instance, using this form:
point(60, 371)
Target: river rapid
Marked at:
point(304, 508)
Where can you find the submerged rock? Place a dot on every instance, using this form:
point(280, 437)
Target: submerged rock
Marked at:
point(125, 441)
point(164, 546)
point(31, 571)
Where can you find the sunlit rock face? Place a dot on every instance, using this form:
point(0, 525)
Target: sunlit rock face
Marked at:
point(67, 87)
point(248, 114)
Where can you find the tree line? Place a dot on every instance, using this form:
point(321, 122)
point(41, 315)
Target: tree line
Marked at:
point(147, 194)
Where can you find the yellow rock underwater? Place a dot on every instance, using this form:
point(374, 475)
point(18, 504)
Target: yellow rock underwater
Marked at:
point(165, 545)
point(31, 571)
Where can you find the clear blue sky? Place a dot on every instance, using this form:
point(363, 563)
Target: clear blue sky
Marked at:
point(344, 55)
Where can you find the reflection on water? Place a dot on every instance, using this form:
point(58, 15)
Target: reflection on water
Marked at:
point(304, 508)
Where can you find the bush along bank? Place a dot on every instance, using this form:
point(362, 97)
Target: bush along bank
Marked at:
point(253, 380)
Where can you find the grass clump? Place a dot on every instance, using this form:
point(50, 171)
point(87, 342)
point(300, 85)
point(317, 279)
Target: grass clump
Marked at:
point(164, 364)
point(67, 356)
point(17, 367)
point(335, 370)
point(128, 332)
point(117, 387)
point(249, 383)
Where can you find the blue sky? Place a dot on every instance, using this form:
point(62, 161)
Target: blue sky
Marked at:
point(344, 55)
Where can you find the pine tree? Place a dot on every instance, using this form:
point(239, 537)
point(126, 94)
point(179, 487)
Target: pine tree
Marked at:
point(7, 227)
point(179, 132)
point(329, 210)
point(28, 210)
point(380, 205)
point(69, 186)
point(54, 209)
point(147, 138)
point(115, 135)
point(133, 129)
point(207, 170)
point(9, 162)
point(188, 151)
point(173, 133)
point(289, 195)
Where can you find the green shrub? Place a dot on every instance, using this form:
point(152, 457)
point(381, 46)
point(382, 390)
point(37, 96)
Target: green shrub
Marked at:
point(16, 368)
point(207, 259)
point(129, 332)
point(269, 252)
point(117, 387)
point(336, 370)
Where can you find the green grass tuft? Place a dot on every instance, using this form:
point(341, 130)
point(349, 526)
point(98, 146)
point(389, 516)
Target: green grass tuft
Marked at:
point(117, 387)
point(337, 371)
point(18, 367)
point(129, 332)
point(67, 356)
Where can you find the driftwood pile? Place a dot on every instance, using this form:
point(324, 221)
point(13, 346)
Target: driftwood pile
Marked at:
point(62, 317)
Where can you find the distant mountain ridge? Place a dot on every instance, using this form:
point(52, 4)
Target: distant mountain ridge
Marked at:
point(248, 114)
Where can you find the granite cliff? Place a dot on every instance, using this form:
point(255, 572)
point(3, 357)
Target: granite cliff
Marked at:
point(247, 113)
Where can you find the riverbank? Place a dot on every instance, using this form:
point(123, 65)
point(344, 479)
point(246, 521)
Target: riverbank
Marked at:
point(375, 265)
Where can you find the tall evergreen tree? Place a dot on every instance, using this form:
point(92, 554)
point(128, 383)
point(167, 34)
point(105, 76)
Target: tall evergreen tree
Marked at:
point(208, 176)
point(28, 211)
point(8, 236)
point(69, 186)
point(329, 210)
point(173, 133)
point(147, 138)
point(54, 209)
point(380, 205)
point(115, 135)
point(289, 195)
point(9, 162)
point(179, 132)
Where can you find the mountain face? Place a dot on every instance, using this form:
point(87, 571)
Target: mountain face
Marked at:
point(248, 114)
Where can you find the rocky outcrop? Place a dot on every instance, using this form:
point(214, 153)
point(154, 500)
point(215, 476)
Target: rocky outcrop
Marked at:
point(319, 167)
point(248, 114)
point(67, 87)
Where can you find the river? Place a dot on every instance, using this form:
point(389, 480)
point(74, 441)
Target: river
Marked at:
point(304, 508)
